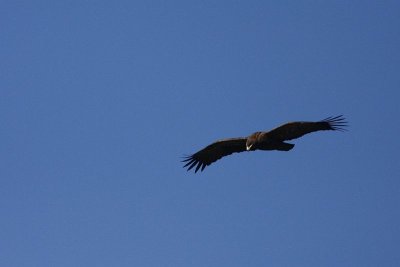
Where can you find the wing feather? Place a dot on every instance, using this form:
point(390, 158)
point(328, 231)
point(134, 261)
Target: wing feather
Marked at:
point(214, 152)
point(293, 130)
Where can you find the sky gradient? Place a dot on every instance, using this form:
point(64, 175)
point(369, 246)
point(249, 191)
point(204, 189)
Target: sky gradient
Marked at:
point(99, 101)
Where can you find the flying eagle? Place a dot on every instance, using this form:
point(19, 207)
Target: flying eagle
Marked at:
point(272, 140)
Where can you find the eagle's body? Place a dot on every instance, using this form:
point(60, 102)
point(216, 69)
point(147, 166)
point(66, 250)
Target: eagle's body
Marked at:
point(271, 140)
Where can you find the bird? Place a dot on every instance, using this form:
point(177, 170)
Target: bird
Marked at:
point(270, 140)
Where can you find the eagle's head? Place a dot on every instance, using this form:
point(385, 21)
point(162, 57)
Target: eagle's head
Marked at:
point(250, 143)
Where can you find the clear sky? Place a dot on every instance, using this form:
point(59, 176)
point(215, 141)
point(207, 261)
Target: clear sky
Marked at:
point(99, 100)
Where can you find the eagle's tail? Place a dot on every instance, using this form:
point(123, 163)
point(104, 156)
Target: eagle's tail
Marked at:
point(282, 146)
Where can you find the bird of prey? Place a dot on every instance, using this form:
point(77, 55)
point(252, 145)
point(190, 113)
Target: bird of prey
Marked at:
point(271, 140)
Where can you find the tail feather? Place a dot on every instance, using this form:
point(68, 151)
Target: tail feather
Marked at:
point(284, 146)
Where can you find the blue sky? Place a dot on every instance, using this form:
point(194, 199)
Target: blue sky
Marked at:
point(101, 99)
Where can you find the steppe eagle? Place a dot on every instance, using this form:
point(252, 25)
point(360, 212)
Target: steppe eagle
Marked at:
point(271, 140)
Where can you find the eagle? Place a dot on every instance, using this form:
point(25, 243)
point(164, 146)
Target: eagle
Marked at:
point(271, 140)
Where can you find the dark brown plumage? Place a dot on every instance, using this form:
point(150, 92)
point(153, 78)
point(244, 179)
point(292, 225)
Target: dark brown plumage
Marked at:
point(272, 140)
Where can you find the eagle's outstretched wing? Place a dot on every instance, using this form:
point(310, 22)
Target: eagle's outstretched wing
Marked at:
point(214, 152)
point(293, 130)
